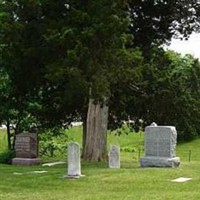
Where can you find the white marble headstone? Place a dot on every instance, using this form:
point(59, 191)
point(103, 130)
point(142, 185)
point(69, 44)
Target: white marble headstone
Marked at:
point(114, 157)
point(74, 164)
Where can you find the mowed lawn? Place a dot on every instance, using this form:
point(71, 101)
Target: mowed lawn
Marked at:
point(101, 183)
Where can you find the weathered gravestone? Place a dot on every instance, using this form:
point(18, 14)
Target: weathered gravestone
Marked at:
point(26, 148)
point(160, 147)
point(74, 163)
point(114, 157)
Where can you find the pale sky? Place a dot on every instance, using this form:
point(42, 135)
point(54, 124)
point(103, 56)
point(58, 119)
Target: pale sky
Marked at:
point(191, 46)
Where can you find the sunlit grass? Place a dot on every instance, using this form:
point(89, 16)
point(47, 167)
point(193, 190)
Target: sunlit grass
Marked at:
point(3, 140)
point(101, 183)
point(129, 182)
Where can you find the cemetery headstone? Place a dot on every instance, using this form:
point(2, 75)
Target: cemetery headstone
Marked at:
point(26, 149)
point(114, 157)
point(160, 147)
point(74, 164)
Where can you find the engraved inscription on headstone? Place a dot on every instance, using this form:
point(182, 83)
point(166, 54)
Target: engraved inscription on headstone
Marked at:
point(26, 148)
point(114, 157)
point(74, 165)
point(160, 147)
point(26, 145)
point(159, 142)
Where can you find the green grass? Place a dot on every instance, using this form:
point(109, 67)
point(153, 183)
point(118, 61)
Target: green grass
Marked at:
point(3, 141)
point(100, 183)
point(192, 148)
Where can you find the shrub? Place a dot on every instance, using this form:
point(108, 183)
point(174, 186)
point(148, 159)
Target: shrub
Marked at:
point(53, 143)
point(128, 149)
point(6, 157)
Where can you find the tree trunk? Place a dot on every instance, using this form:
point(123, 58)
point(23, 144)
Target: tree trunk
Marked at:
point(95, 136)
point(8, 135)
point(84, 135)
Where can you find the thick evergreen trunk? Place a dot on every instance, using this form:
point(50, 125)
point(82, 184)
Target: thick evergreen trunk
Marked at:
point(95, 137)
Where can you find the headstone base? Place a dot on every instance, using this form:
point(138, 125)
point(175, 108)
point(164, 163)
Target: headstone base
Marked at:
point(73, 176)
point(26, 161)
point(114, 167)
point(152, 161)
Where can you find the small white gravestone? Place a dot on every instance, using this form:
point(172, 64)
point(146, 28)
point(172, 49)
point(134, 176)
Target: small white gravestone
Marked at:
point(114, 157)
point(74, 164)
point(160, 147)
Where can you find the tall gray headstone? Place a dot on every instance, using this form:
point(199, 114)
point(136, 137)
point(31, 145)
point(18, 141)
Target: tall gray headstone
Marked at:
point(26, 149)
point(114, 157)
point(74, 163)
point(160, 147)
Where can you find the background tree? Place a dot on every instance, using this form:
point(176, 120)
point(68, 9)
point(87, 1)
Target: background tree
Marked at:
point(69, 53)
point(153, 23)
point(15, 117)
point(174, 97)
point(168, 94)
point(156, 22)
point(64, 55)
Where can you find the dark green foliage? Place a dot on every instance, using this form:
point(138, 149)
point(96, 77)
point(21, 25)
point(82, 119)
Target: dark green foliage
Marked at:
point(170, 93)
point(157, 21)
point(167, 93)
point(53, 142)
point(58, 54)
point(16, 117)
point(128, 149)
point(7, 156)
point(153, 23)
point(35, 57)
point(66, 52)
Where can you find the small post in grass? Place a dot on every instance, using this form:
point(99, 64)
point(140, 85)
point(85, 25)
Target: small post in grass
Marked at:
point(189, 155)
point(139, 153)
